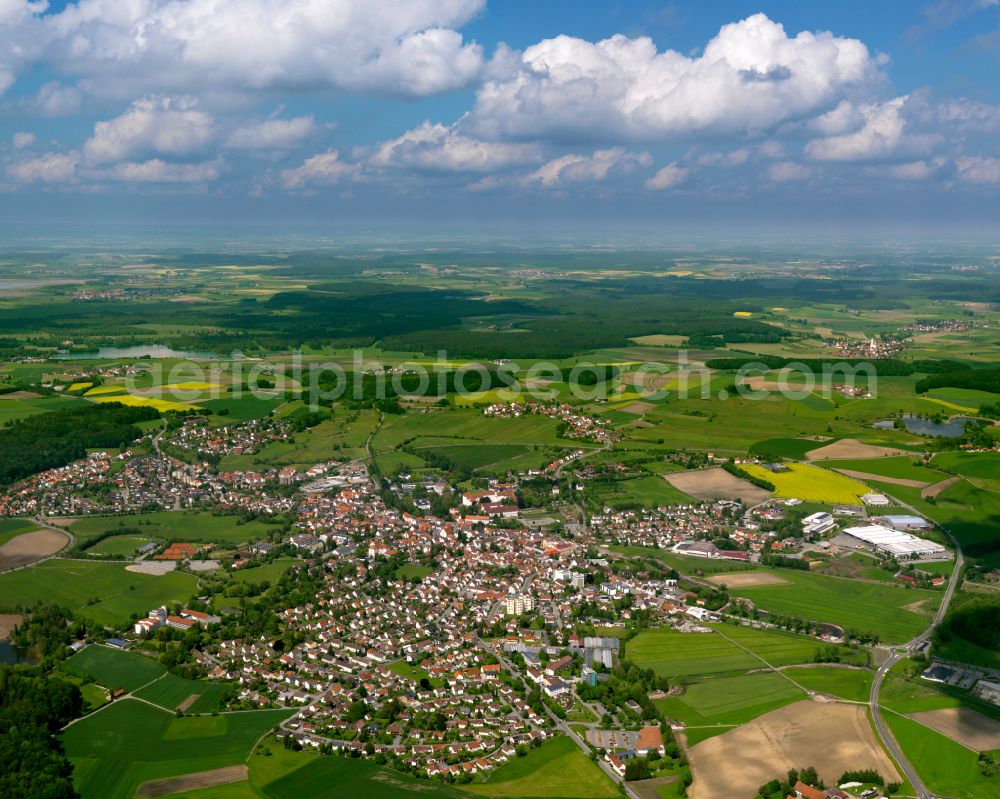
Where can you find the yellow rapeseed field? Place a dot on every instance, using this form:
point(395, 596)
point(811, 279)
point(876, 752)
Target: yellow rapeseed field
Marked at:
point(812, 483)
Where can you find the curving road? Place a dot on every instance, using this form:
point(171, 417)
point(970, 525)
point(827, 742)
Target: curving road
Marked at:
point(897, 654)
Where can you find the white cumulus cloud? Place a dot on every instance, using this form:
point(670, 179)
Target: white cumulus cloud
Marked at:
point(171, 126)
point(157, 171)
point(123, 48)
point(272, 134)
point(978, 169)
point(322, 169)
point(667, 177)
point(49, 168)
point(785, 171)
point(751, 76)
point(587, 168)
point(441, 148)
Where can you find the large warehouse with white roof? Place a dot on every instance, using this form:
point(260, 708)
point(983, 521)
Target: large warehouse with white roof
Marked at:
point(900, 545)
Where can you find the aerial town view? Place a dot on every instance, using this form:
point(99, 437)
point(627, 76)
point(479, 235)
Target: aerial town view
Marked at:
point(448, 399)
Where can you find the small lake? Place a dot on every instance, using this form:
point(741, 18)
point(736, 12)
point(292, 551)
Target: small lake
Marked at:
point(952, 428)
point(142, 351)
point(10, 654)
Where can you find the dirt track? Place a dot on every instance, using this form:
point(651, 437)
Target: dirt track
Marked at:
point(8, 621)
point(716, 484)
point(193, 782)
point(848, 448)
point(964, 725)
point(29, 547)
point(832, 737)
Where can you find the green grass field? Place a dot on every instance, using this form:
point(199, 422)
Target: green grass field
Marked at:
point(675, 654)
point(971, 464)
point(853, 684)
point(170, 691)
point(118, 545)
point(730, 700)
point(338, 776)
point(947, 767)
point(556, 769)
point(129, 742)
point(410, 570)
point(900, 466)
point(848, 603)
point(197, 526)
point(74, 584)
point(113, 668)
point(791, 448)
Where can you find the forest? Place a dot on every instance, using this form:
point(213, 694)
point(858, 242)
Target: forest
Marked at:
point(50, 440)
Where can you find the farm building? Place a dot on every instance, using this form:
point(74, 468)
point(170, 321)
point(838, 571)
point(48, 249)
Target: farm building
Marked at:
point(875, 500)
point(899, 545)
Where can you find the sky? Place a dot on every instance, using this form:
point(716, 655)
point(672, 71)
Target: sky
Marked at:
point(589, 115)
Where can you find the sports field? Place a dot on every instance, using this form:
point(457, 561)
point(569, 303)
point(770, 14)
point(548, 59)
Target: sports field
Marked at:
point(556, 769)
point(851, 604)
point(113, 668)
point(118, 545)
point(675, 654)
point(129, 742)
point(73, 584)
point(811, 483)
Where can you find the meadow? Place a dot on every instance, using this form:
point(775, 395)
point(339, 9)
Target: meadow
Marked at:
point(811, 483)
point(171, 691)
point(730, 701)
point(556, 769)
point(339, 776)
point(852, 684)
point(104, 592)
point(129, 742)
point(851, 604)
point(675, 654)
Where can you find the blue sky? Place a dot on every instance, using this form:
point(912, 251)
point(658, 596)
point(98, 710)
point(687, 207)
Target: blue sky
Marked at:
point(464, 114)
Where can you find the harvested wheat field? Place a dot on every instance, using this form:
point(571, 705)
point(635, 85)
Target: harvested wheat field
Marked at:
point(964, 725)
point(716, 484)
point(193, 782)
point(896, 481)
point(848, 448)
point(833, 737)
point(747, 579)
point(29, 547)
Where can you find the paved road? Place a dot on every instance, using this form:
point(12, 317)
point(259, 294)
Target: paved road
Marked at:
point(897, 654)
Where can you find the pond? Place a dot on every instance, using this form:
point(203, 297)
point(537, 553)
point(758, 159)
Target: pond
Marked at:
point(141, 351)
point(951, 428)
point(10, 654)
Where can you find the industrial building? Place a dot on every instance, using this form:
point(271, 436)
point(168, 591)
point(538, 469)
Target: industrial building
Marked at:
point(898, 544)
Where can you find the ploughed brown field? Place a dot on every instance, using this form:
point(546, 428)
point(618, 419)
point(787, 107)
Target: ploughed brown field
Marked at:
point(831, 736)
point(716, 484)
point(29, 547)
point(964, 725)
